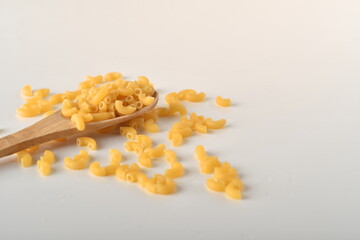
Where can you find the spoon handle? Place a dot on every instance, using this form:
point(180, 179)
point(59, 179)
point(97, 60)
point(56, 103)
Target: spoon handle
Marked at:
point(49, 128)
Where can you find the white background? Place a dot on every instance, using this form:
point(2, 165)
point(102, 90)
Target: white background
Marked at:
point(291, 68)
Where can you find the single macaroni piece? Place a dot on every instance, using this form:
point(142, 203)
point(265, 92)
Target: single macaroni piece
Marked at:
point(109, 170)
point(87, 141)
point(115, 156)
point(176, 170)
point(200, 127)
point(112, 76)
point(130, 132)
point(151, 126)
point(172, 98)
point(144, 140)
point(233, 190)
point(58, 98)
point(134, 147)
point(184, 92)
point(79, 162)
point(216, 185)
point(121, 109)
point(223, 102)
point(200, 152)
point(124, 170)
point(102, 116)
point(195, 97)
point(136, 123)
point(156, 152)
point(26, 91)
point(44, 167)
point(48, 157)
point(27, 110)
point(160, 184)
point(145, 160)
point(170, 156)
point(98, 79)
point(215, 124)
point(175, 138)
point(79, 121)
point(163, 112)
point(146, 100)
point(177, 108)
point(41, 93)
point(209, 164)
point(183, 130)
point(25, 158)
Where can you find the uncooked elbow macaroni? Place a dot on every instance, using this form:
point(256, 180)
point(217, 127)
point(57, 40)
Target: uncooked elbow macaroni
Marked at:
point(86, 141)
point(129, 132)
point(223, 102)
point(151, 127)
point(78, 162)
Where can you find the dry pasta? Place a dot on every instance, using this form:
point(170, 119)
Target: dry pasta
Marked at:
point(151, 126)
point(87, 141)
point(223, 102)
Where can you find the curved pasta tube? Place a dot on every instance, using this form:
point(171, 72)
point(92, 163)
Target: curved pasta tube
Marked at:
point(170, 156)
point(151, 126)
point(102, 107)
point(102, 116)
point(97, 170)
point(233, 190)
point(121, 109)
point(87, 84)
point(111, 76)
point(156, 151)
point(143, 80)
point(136, 123)
point(48, 157)
point(215, 124)
point(225, 172)
point(145, 140)
point(25, 158)
point(187, 122)
point(177, 108)
point(145, 160)
point(184, 92)
point(44, 167)
point(26, 91)
point(176, 170)
point(162, 112)
point(146, 100)
point(115, 156)
point(44, 105)
point(68, 112)
point(130, 132)
point(78, 120)
point(79, 162)
point(86, 141)
point(223, 102)
point(208, 165)
point(41, 93)
point(200, 127)
point(151, 115)
point(134, 146)
point(123, 170)
point(176, 138)
point(125, 91)
point(58, 98)
point(200, 152)
point(100, 95)
point(197, 97)
point(216, 185)
point(160, 184)
point(28, 111)
point(97, 79)
point(172, 98)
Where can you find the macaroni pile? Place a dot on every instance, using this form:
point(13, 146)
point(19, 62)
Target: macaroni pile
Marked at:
point(103, 97)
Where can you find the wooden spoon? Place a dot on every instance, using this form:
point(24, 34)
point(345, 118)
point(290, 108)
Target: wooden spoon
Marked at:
point(56, 126)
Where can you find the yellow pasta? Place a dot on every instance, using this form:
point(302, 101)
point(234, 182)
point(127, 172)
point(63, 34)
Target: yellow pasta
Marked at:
point(58, 98)
point(223, 102)
point(97, 170)
point(215, 124)
point(197, 97)
point(216, 185)
point(115, 156)
point(79, 121)
point(97, 79)
point(48, 113)
point(170, 156)
point(144, 140)
point(41, 93)
point(102, 116)
point(157, 151)
point(26, 91)
point(209, 164)
point(184, 92)
point(145, 160)
point(112, 76)
point(172, 98)
point(134, 146)
point(124, 110)
point(176, 170)
point(28, 111)
point(87, 141)
point(177, 108)
point(44, 167)
point(48, 157)
point(160, 184)
point(163, 112)
point(129, 132)
point(136, 123)
point(25, 158)
point(146, 100)
point(100, 95)
point(176, 138)
point(234, 189)
point(200, 152)
point(151, 126)
point(124, 170)
point(79, 162)
point(200, 127)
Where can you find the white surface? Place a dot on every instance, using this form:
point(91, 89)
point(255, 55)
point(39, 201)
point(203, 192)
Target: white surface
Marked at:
point(291, 67)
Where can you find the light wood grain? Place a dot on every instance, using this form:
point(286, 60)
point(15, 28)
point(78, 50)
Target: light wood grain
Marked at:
point(56, 126)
